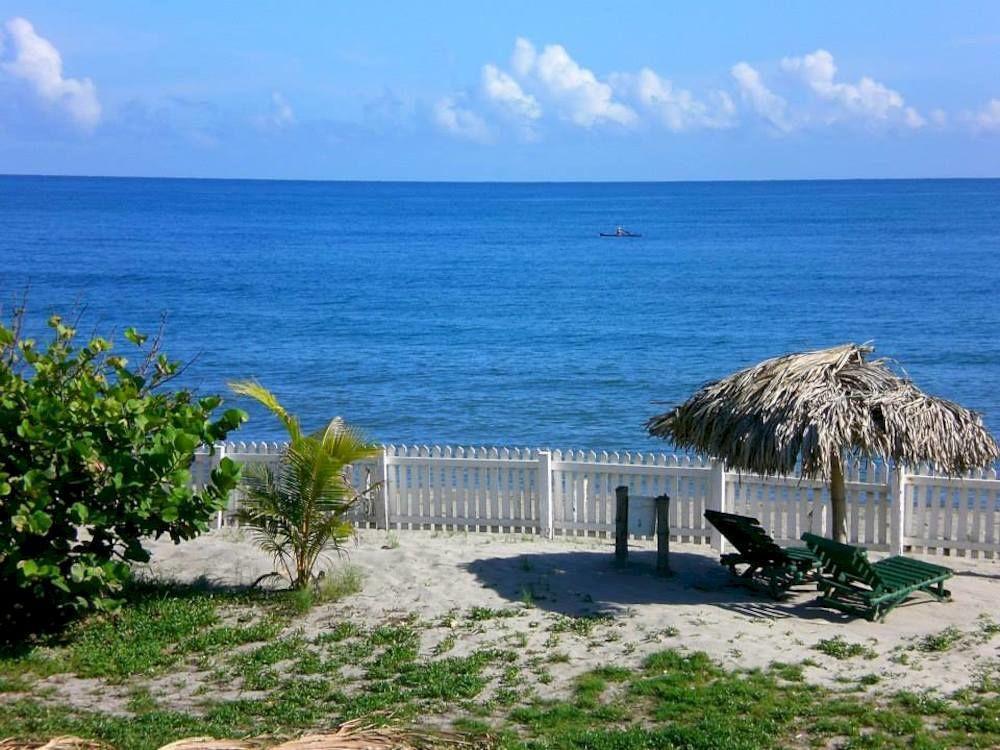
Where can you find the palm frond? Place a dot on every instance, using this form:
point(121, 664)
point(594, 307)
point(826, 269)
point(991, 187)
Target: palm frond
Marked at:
point(263, 396)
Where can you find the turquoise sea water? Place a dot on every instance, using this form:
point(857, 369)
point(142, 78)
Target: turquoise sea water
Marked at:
point(493, 313)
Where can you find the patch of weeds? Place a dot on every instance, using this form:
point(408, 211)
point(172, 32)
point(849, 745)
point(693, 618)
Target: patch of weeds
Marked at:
point(401, 645)
point(941, 641)
point(839, 648)
point(582, 626)
point(528, 597)
point(140, 639)
point(445, 645)
point(227, 637)
point(480, 614)
point(392, 635)
point(788, 672)
point(298, 601)
point(508, 692)
point(392, 660)
point(559, 657)
point(340, 632)
point(475, 727)
point(311, 663)
point(517, 640)
point(900, 657)
point(925, 703)
point(450, 619)
point(588, 690)
point(988, 627)
point(338, 584)
point(612, 674)
point(21, 666)
point(869, 679)
point(254, 667)
point(391, 541)
point(140, 701)
point(448, 679)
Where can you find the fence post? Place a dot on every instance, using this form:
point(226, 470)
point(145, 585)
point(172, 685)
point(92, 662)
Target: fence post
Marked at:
point(717, 501)
point(382, 503)
point(220, 453)
point(897, 510)
point(545, 521)
point(621, 525)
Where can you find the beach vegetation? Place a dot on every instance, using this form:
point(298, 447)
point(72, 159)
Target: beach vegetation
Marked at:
point(95, 455)
point(297, 510)
point(259, 671)
point(940, 641)
point(840, 648)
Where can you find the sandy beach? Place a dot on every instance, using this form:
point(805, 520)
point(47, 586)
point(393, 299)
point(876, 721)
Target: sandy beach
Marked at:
point(526, 589)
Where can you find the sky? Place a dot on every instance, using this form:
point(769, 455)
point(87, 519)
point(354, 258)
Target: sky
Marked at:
point(500, 91)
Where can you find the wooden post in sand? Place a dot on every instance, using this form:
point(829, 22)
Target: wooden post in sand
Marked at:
point(220, 453)
point(663, 535)
point(621, 525)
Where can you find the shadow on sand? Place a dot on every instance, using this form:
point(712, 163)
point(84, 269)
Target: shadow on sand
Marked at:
point(588, 583)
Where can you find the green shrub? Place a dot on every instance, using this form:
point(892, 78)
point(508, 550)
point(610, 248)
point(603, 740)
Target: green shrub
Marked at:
point(94, 456)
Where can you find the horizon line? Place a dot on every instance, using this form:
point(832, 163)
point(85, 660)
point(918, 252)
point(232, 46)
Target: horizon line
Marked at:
point(496, 182)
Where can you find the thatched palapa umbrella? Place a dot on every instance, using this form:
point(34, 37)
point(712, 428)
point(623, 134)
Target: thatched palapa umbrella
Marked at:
point(806, 412)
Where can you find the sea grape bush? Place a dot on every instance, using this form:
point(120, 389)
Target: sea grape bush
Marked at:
point(94, 457)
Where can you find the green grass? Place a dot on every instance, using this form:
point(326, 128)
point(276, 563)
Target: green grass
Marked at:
point(479, 614)
point(582, 626)
point(941, 641)
point(840, 648)
point(500, 695)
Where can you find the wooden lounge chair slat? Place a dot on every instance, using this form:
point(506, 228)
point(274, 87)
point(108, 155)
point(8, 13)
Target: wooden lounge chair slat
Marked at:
point(778, 568)
point(851, 582)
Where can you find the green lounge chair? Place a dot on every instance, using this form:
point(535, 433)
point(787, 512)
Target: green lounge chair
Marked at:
point(776, 567)
point(852, 583)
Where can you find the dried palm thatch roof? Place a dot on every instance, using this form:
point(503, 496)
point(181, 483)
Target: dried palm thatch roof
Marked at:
point(815, 406)
point(352, 735)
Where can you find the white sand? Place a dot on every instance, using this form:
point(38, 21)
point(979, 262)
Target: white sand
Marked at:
point(440, 576)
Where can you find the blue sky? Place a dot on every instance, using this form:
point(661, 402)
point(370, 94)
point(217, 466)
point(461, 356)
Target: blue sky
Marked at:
point(501, 91)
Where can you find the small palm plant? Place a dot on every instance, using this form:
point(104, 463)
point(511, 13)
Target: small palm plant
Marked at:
point(297, 509)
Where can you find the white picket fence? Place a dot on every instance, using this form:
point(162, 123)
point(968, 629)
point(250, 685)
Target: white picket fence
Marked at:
point(565, 493)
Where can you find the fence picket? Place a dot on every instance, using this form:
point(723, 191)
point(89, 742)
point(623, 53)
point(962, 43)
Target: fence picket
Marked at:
point(498, 489)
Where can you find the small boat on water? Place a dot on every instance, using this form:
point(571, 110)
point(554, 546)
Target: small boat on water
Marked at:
point(620, 231)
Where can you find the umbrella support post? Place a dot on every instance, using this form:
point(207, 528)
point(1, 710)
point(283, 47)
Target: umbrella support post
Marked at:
point(838, 502)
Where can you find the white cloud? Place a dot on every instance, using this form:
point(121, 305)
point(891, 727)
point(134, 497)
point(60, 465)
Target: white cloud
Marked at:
point(802, 92)
point(459, 121)
point(761, 99)
point(501, 88)
point(523, 58)
point(37, 62)
point(575, 91)
point(280, 116)
point(867, 99)
point(988, 118)
point(677, 108)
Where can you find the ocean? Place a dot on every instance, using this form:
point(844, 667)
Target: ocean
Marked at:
point(493, 314)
